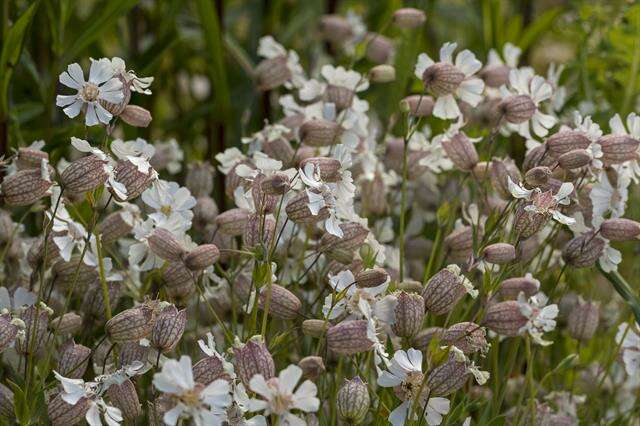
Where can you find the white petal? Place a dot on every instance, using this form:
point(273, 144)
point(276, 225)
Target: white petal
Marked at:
point(446, 107)
point(467, 63)
point(470, 91)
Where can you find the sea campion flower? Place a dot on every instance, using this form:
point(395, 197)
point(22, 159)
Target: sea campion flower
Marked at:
point(545, 203)
point(540, 316)
point(204, 405)
point(170, 202)
point(446, 79)
point(628, 338)
point(355, 301)
point(83, 146)
point(101, 86)
point(279, 396)
point(406, 378)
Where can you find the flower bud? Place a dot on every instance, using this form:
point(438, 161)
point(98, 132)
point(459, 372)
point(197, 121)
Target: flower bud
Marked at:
point(496, 75)
point(618, 149)
point(499, 253)
point(202, 257)
point(583, 250)
point(373, 196)
point(537, 176)
point(379, 49)
point(36, 320)
point(93, 300)
point(382, 74)
point(272, 73)
point(354, 235)
point(204, 212)
point(165, 245)
point(133, 179)
point(466, 336)
point(115, 226)
point(179, 280)
point(442, 78)
point(418, 105)
point(620, 229)
point(444, 290)
point(279, 149)
point(312, 367)
point(567, 140)
point(253, 358)
point(25, 187)
point(329, 168)
point(459, 243)
point(61, 413)
point(136, 116)
point(199, 179)
point(369, 278)
point(133, 351)
point(282, 303)
point(512, 287)
point(314, 327)
point(353, 401)
point(320, 132)
point(574, 159)
point(583, 320)
point(74, 359)
point(349, 337)
point(335, 28)
point(125, 397)
point(340, 96)
point(409, 314)
point(131, 324)
point(6, 403)
point(69, 323)
point(168, 328)
point(297, 210)
point(517, 109)
point(259, 230)
point(209, 369)
point(423, 339)
point(448, 377)
point(84, 174)
point(8, 332)
point(461, 151)
point(232, 222)
point(505, 318)
point(276, 184)
point(409, 17)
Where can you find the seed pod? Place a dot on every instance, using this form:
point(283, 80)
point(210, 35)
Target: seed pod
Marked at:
point(282, 304)
point(8, 332)
point(369, 278)
point(204, 212)
point(448, 377)
point(136, 116)
point(512, 287)
point(272, 73)
point(459, 243)
point(423, 339)
point(179, 280)
point(567, 140)
point(279, 149)
point(314, 327)
point(320, 132)
point(505, 318)
point(232, 222)
point(29, 158)
point(583, 250)
point(202, 257)
point(297, 210)
point(133, 179)
point(209, 369)
point(354, 235)
point(133, 351)
point(466, 336)
point(461, 151)
point(6, 403)
point(496, 75)
point(418, 105)
point(25, 187)
point(253, 358)
point(583, 320)
point(379, 49)
point(442, 78)
point(574, 159)
point(382, 74)
point(353, 401)
point(335, 28)
point(528, 223)
point(340, 96)
point(329, 168)
point(537, 176)
point(444, 290)
point(62, 413)
point(620, 229)
point(349, 337)
point(131, 324)
point(252, 233)
point(617, 149)
point(276, 184)
point(93, 300)
point(168, 328)
point(125, 397)
point(84, 174)
point(115, 226)
point(74, 359)
point(517, 109)
point(36, 320)
point(312, 367)
point(409, 17)
point(165, 245)
point(499, 253)
point(409, 314)
point(199, 179)
point(263, 202)
point(69, 323)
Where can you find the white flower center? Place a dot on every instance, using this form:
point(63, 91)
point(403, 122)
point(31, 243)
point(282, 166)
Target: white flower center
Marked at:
point(90, 92)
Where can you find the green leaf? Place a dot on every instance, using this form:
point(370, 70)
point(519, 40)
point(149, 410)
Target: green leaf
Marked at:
point(11, 49)
point(99, 22)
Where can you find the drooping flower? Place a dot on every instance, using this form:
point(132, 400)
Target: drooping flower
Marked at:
point(541, 317)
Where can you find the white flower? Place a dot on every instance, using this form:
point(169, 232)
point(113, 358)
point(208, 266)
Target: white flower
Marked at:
point(269, 48)
point(356, 301)
point(169, 155)
point(169, 200)
point(138, 152)
point(350, 79)
point(629, 341)
point(608, 201)
point(510, 53)
point(540, 318)
point(204, 406)
point(524, 82)
point(101, 86)
point(84, 146)
point(137, 84)
point(228, 159)
point(209, 349)
point(279, 397)
point(139, 252)
point(544, 203)
point(405, 375)
point(470, 90)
